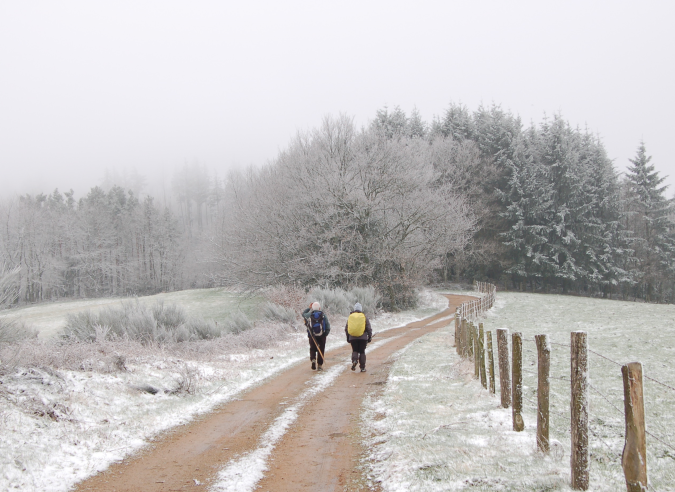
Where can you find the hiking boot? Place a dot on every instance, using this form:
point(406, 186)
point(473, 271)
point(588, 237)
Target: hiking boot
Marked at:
point(363, 369)
point(313, 364)
point(354, 365)
point(320, 368)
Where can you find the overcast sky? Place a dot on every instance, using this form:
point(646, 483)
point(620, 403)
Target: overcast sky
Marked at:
point(150, 85)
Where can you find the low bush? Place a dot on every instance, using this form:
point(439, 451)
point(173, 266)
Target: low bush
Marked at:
point(157, 324)
point(276, 312)
point(238, 323)
point(289, 297)
point(15, 330)
point(341, 302)
point(106, 355)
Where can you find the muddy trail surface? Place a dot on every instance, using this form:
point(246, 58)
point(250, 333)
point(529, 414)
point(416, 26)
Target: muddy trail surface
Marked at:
point(303, 425)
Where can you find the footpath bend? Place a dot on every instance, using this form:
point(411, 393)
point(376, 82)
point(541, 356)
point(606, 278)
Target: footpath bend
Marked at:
point(319, 451)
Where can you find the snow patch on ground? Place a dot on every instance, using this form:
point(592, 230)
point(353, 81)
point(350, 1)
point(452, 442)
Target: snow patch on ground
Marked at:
point(242, 474)
point(434, 428)
point(60, 427)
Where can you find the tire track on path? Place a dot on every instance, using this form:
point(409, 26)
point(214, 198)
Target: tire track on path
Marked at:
point(317, 451)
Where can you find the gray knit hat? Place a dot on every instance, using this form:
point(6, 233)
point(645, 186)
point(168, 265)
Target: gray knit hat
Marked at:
point(358, 307)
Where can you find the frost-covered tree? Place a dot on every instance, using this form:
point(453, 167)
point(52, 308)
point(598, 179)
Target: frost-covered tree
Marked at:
point(416, 127)
point(391, 124)
point(562, 205)
point(345, 208)
point(105, 244)
point(648, 215)
point(457, 123)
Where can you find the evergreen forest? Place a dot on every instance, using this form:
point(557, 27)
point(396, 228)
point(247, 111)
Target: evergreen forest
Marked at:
point(399, 203)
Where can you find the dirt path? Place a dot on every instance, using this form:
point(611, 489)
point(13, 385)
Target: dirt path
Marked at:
point(319, 452)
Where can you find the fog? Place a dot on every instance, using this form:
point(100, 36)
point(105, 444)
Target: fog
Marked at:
point(150, 86)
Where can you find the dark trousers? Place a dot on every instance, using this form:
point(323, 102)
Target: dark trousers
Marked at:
point(359, 352)
point(321, 342)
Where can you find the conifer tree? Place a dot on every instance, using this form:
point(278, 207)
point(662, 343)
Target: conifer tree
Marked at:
point(649, 217)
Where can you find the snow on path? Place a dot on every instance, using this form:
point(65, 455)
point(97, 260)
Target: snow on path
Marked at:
point(104, 419)
point(242, 474)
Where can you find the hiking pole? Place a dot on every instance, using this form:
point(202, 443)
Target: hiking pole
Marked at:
point(316, 344)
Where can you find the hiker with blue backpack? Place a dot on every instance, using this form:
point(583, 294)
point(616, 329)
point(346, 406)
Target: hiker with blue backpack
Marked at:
point(318, 328)
point(359, 334)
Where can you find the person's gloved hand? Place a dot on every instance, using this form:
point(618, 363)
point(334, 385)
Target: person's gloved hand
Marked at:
point(369, 339)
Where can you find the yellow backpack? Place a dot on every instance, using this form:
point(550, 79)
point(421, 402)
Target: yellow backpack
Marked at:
point(356, 324)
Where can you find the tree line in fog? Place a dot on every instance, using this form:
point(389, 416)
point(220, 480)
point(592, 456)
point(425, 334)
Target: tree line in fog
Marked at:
point(395, 204)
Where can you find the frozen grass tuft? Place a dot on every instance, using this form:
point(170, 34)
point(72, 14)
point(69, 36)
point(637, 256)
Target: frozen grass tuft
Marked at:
point(238, 323)
point(15, 330)
point(341, 302)
point(276, 312)
point(107, 355)
point(157, 324)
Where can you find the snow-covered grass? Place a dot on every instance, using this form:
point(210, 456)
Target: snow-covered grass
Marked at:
point(243, 473)
point(215, 304)
point(435, 428)
point(68, 411)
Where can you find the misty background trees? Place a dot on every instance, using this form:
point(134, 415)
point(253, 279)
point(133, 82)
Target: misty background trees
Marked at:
point(396, 204)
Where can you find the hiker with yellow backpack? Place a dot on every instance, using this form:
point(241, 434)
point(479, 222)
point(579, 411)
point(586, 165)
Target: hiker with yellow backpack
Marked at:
point(359, 334)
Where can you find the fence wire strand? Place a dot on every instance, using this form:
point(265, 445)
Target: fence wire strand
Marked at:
point(621, 365)
point(658, 382)
point(470, 308)
point(665, 385)
point(658, 439)
point(606, 399)
point(603, 442)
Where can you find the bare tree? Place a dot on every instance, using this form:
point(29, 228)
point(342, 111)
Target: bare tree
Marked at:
point(343, 207)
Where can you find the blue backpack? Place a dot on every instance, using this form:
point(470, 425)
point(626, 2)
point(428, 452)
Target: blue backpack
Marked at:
point(316, 323)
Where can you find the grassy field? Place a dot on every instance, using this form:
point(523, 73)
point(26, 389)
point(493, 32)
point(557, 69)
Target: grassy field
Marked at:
point(68, 410)
point(216, 304)
point(435, 428)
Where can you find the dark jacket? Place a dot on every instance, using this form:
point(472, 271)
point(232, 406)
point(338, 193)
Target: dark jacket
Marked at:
point(367, 335)
point(326, 324)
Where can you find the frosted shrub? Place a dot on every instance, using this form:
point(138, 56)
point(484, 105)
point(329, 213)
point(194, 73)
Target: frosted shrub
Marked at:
point(334, 301)
point(368, 297)
point(187, 381)
point(201, 329)
point(13, 331)
point(238, 323)
point(161, 323)
point(275, 312)
point(339, 301)
point(168, 315)
point(289, 297)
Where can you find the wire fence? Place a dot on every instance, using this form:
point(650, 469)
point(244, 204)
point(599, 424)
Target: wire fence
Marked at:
point(608, 431)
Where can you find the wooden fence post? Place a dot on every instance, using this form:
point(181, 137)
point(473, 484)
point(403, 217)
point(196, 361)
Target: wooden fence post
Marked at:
point(476, 352)
point(517, 378)
point(504, 366)
point(634, 458)
point(579, 459)
point(491, 362)
point(469, 340)
point(457, 330)
point(543, 387)
point(481, 348)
